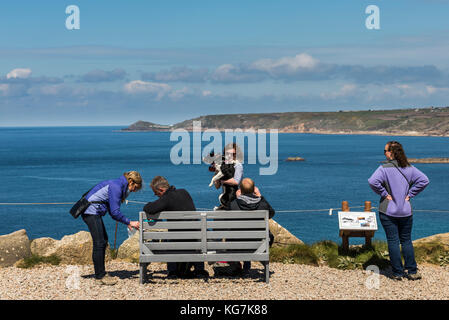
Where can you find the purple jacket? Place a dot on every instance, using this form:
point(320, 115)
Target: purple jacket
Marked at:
point(111, 192)
point(388, 180)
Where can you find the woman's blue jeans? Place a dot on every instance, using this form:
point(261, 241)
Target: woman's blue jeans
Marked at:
point(100, 242)
point(399, 232)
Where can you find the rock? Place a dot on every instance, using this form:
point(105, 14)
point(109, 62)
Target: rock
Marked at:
point(295, 159)
point(129, 250)
point(441, 238)
point(282, 237)
point(428, 160)
point(71, 249)
point(14, 247)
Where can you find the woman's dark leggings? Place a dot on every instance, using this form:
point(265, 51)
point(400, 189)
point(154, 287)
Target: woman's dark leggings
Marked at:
point(100, 242)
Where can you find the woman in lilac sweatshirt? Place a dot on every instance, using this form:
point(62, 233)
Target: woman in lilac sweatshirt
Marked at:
point(397, 182)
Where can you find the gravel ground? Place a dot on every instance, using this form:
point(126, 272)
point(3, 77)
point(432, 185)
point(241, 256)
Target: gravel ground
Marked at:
point(287, 282)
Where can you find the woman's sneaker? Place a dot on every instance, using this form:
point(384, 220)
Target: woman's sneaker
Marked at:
point(396, 277)
point(107, 280)
point(414, 276)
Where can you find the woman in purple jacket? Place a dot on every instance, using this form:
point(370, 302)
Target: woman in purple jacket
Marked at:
point(111, 194)
point(397, 182)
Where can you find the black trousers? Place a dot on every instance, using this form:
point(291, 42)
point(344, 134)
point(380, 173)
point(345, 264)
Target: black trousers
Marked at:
point(100, 242)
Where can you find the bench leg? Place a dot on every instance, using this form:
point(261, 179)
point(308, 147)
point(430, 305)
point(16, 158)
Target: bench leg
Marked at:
point(143, 273)
point(267, 271)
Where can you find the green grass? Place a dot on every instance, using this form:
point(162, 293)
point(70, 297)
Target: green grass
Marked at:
point(114, 253)
point(432, 252)
point(331, 254)
point(299, 254)
point(34, 260)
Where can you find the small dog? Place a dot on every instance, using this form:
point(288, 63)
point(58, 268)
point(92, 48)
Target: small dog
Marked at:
point(223, 171)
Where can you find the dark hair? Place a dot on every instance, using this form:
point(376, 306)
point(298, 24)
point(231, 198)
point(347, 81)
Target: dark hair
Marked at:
point(159, 182)
point(238, 152)
point(398, 153)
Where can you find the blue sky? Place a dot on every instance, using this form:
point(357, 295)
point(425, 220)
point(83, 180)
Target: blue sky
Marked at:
point(167, 61)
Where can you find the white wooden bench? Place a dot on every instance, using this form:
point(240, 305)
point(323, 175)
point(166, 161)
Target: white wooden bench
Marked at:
point(204, 236)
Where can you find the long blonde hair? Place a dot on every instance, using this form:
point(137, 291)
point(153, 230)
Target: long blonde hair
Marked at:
point(134, 176)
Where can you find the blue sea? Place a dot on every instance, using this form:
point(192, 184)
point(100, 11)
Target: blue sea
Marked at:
point(58, 164)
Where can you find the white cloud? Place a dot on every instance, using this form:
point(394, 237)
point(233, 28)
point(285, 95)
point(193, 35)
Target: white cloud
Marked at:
point(347, 90)
point(179, 94)
point(139, 86)
point(19, 73)
point(431, 89)
point(403, 86)
point(292, 64)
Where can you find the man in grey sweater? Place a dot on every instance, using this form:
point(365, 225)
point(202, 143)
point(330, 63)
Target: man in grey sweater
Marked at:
point(249, 198)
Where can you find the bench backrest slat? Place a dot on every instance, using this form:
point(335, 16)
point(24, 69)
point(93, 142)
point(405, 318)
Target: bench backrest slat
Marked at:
point(247, 235)
point(167, 235)
point(170, 224)
point(237, 224)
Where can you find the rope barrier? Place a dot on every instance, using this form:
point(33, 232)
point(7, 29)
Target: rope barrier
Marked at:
point(208, 209)
point(34, 203)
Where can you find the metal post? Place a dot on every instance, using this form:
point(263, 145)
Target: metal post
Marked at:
point(344, 236)
point(368, 234)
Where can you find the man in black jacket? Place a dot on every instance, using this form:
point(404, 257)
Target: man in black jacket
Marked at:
point(249, 198)
point(172, 199)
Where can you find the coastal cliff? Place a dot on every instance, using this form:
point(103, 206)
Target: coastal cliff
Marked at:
point(408, 122)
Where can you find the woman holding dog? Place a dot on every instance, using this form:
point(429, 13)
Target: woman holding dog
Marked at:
point(232, 153)
point(397, 182)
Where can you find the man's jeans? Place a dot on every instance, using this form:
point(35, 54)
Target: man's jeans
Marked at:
point(399, 230)
point(100, 242)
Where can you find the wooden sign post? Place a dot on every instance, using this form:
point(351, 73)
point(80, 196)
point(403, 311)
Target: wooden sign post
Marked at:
point(345, 234)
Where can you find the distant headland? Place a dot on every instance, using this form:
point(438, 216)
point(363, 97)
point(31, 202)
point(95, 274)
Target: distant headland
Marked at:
point(431, 121)
point(428, 160)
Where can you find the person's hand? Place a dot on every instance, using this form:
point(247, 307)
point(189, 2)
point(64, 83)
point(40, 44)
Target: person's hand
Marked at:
point(407, 198)
point(238, 193)
point(389, 197)
point(133, 224)
point(257, 192)
point(217, 184)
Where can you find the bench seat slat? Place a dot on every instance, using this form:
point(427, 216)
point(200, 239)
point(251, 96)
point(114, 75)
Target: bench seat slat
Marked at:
point(204, 257)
